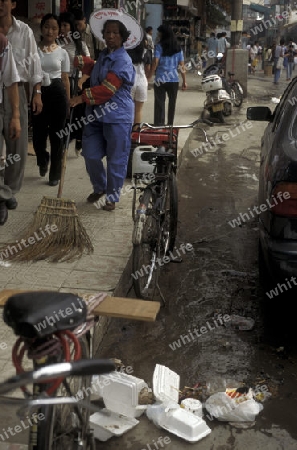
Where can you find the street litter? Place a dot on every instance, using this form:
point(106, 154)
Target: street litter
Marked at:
point(193, 405)
point(240, 323)
point(168, 414)
point(107, 424)
point(233, 406)
point(120, 393)
point(275, 100)
point(178, 421)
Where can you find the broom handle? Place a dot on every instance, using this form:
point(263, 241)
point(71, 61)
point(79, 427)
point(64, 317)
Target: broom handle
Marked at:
point(64, 157)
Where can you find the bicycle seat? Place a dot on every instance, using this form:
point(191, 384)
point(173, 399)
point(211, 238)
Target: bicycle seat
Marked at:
point(39, 314)
point(158, 157)
point(231, 74)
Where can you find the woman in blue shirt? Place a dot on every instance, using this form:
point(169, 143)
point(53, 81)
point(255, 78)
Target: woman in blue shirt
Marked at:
point(109, 113)
point(168, 57)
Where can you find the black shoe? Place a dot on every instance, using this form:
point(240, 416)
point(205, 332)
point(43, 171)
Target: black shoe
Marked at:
point(11, 203)
point(53, 182)
point(94, 197)
point(43, 170)
point(3, 213)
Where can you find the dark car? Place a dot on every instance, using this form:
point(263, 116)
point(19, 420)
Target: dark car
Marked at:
point(278, 187)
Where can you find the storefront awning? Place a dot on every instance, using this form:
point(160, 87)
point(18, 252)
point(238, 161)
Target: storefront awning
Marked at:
point(260, 9)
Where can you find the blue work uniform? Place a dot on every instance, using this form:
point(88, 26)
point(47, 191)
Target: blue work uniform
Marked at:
point(108, 131)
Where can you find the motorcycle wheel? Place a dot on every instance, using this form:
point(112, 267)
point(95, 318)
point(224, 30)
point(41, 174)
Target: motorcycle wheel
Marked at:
point(227, 108)
point(216, 117)
point(238, 95)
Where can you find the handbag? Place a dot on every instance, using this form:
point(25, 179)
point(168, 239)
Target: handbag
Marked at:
point(280, 62)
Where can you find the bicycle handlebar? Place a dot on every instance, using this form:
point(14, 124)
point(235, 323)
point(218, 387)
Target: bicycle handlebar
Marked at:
point(79, 368)
point(169, 127)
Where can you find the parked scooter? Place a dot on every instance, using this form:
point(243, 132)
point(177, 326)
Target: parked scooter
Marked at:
point(218, 101)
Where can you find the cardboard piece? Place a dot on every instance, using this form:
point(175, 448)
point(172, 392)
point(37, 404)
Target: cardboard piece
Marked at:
point(125, 308)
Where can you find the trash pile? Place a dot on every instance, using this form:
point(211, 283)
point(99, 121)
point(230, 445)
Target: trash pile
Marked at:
point(127, 397)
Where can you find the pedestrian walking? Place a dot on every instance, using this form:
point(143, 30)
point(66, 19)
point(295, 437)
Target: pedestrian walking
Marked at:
point(110, 104)
point(253, 54)
point(212, 49)
point(142, 66)
point(278, 60)
point(150, 42)
point(55, 89)
point(289, 57)
point(87, 36)
point(9, 77)
point(70, 39)
point(167, 59)
point(223, 44)
point(28, 64)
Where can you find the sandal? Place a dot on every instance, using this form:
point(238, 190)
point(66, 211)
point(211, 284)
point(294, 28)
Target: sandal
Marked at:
point(109, 206)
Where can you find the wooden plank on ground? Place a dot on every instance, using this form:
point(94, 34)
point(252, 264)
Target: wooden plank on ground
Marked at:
point(125, 308)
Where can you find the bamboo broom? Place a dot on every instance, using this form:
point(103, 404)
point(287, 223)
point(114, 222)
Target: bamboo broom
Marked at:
point(56, 233)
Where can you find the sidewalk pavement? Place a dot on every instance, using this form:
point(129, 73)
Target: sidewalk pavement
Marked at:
point(110, 232)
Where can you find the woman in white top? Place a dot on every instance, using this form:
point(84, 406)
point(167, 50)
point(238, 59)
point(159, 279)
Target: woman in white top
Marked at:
point(139, 89)
point(70, 39)
point(55, 96)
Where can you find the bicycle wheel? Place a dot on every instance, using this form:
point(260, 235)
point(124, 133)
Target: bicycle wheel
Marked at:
point(169, 224)
point(145, 253)
point(68, 425)
point(238, 94)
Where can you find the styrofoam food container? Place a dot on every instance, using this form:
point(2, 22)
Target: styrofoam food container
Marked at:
point(120, 393)
point(107, 424)
point(184, 424)
point(165, 384)
point(193, 405)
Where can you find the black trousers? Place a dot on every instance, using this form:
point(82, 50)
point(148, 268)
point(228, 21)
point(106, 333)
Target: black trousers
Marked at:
point(160, 91)
point(49, 124)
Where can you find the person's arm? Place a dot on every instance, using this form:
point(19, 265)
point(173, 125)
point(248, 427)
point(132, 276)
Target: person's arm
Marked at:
point(65, 68)
point(14, 125)
point(153, 67)
point(99, 94)
point(82, 80)
point(183, 74)
point(36, 99)
point(84, 63)
point(34, 72)
point(65, 81)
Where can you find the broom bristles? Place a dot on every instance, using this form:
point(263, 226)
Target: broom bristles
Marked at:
point(57, 232)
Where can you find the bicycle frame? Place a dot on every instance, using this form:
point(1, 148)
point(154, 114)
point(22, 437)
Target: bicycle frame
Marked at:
point(39, 401)
point(155, 227)
point(40, 430)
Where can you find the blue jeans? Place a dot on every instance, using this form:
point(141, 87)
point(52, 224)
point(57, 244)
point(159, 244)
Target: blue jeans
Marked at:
point(290, 69)
point(112, 140)
point(277, 72)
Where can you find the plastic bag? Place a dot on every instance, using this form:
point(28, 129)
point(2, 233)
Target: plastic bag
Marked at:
point(224, 408)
